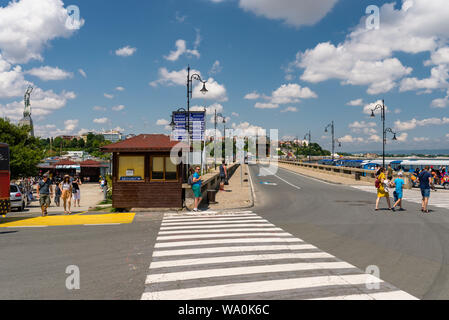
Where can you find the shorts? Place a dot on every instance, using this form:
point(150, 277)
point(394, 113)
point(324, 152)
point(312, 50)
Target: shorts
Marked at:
point(425, 193)
point(222, 179)
point(66, 195)
point(44, 200)
point(77, 195)
point(197, 191)
point(398, 196)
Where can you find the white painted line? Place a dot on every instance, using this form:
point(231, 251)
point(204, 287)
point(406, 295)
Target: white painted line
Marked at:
point(307, 177)
point(168, 253)
point(392, 295)
point(214, 231)
point(212, 218)
point(264, 257)
point(285, 241)
point(201, 236)
point(254, 287)
point(204, 274)
point(291, 184)
point(214, 227)
point(216, 222)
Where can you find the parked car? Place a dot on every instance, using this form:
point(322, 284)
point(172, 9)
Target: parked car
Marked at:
point(18, 199)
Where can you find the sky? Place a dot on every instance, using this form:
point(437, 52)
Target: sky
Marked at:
point(290, 65)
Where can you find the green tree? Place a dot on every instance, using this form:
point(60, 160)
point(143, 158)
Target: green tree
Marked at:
point(26, 151)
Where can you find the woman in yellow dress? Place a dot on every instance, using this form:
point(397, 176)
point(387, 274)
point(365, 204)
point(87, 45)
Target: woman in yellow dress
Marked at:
point(381, 192)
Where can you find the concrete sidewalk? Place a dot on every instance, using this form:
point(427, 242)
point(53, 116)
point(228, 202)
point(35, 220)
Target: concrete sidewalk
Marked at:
point(91, 195)
point(238, 195)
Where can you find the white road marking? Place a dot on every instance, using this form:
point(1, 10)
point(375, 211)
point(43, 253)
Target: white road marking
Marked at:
point(254, 287)
point(201, 274)
point(168, 253)
point(291, 184)
point(212, 232)
point(261, 257)
point(189, 253)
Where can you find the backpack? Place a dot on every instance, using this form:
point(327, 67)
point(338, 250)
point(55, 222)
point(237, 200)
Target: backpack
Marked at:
point(377, 183)
point(190, 181)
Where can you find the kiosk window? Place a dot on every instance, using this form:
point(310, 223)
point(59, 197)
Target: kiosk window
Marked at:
point(131, 168)
point(163, 169)
point(157, 168)
point(171, 170)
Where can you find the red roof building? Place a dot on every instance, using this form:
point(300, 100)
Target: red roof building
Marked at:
point(143, 143)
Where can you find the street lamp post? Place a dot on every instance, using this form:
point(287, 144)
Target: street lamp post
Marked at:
point(204, 90)
point(332, 126)
point(384, 130)
point(309, 136)
point(215, 140)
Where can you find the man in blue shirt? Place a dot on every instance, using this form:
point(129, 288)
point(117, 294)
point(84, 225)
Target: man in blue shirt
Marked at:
point(399, 192)
point(425, 182)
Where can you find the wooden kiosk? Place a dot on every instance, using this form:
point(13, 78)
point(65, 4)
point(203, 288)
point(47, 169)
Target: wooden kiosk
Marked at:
point(143, 174)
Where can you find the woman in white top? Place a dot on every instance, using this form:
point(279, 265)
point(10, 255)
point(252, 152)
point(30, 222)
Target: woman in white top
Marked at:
point(66, 188)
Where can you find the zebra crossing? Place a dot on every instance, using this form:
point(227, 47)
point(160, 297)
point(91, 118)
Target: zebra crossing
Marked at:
point(438, 199)
point(241, 256)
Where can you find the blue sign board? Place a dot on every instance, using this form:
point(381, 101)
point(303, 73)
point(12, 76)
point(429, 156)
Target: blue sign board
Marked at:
point(197, 125)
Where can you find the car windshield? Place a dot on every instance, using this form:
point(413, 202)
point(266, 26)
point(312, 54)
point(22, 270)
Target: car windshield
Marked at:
point(13, 189)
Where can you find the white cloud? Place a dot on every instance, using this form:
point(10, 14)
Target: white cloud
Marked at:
point(356, 103)
point(162, 122)
point(43, 103)
point(99, 108)
point(109, 96)
point(216, 68)
point(252, 96)
point(375, 138)
point(125, 51)
point(437, 80)
point(235, 114)
point(215, 92)
point(71, 125)
point(27, 27)
point(12, 81)
point(441, 102)
point(447, 136)
point(421, 139)
point(179, 17)
point(245, 129)
point(120, 89)
point(290, 109)
point(371, 106)
point(209, 110)
point(118, 108)
point(266, 105)
point(101, 120)
point(291, 93)
point(49, 73)
point(292, 12)
point(181, 48)
point(83, 73)
point(172, 78)
point(363, 127)
point(366, 56)
point(412, 124)
point(402, 137)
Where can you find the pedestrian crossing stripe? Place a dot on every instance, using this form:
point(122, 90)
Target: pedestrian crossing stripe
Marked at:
point(210, 257)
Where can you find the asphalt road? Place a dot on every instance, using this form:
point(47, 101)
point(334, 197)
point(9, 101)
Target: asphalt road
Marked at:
point(411, 249)
point(112, 260)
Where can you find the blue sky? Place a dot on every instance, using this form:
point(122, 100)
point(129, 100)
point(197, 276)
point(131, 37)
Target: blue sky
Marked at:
point(288, 65)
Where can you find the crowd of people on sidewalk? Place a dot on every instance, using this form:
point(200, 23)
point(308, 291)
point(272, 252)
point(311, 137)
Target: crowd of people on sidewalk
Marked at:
point(66, 188)
point(385, 180)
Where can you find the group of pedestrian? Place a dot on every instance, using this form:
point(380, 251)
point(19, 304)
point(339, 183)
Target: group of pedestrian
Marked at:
point(385, 180)
point(66, 189)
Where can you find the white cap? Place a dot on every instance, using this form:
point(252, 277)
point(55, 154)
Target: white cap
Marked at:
point(400, 174)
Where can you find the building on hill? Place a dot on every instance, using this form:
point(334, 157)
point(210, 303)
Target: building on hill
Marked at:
point(113, 136)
